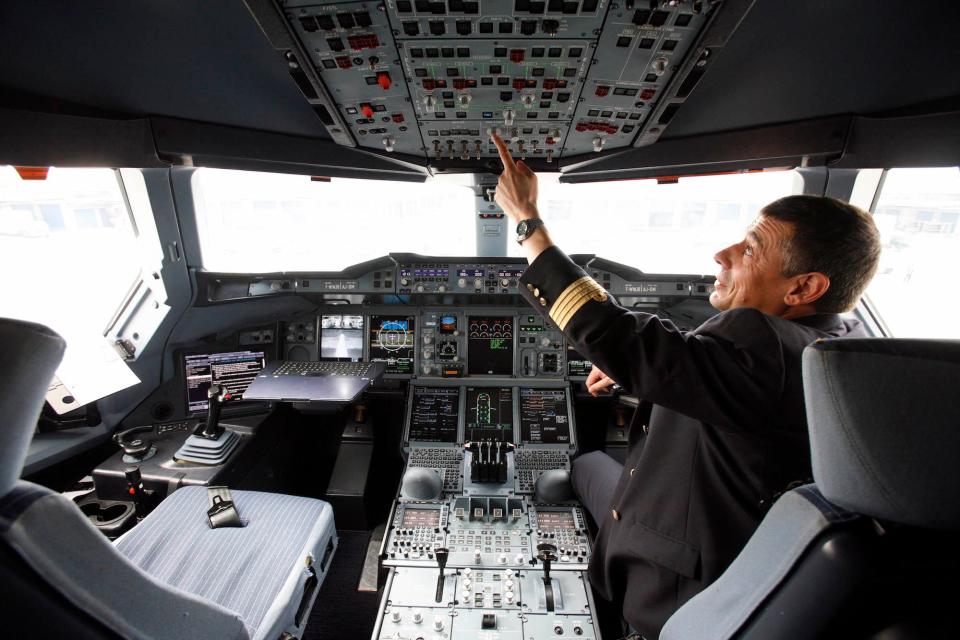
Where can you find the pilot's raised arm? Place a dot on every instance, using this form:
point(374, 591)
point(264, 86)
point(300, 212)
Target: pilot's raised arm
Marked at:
point(723, 403)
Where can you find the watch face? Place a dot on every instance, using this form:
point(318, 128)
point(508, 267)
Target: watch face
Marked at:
point(522, 228)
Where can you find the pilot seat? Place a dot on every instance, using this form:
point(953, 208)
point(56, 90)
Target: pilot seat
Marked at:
point(870, 549)
point(171, 576)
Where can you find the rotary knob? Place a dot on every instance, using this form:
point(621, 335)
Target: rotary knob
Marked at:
point(427, 339)
point(438, 623)
point(442, 288)
point(395, 615)
point(428, 354)
point(477, 283)
point(404, 281)
point(504, 282)
point(417, 617)
point(544, 341)
point(462, 282)
point(420, 288)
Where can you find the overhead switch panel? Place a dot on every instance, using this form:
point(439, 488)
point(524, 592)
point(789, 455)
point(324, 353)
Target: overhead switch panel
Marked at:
point(556, 78)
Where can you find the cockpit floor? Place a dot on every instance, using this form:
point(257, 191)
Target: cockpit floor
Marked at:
point(341, 612)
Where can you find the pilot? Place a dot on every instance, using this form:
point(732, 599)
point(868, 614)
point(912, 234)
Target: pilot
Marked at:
point(722, 421)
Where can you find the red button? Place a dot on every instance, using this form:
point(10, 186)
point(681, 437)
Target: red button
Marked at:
point(366, 110)
point(383, 79)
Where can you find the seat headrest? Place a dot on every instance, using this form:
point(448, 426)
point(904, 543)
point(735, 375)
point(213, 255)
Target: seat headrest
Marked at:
point(884, 417)
point(29, 355)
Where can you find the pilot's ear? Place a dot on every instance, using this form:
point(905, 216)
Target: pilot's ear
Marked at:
point(806, 288)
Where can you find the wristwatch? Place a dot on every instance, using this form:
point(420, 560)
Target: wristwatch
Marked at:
point(526, 228)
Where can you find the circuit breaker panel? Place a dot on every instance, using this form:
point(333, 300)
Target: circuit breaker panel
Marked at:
point(433, 78)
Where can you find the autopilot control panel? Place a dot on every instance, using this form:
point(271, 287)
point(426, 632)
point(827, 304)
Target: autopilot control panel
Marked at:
point(486, 539)
point(433, 78)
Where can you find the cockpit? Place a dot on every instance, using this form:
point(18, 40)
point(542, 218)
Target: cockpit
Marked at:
point(272, 366)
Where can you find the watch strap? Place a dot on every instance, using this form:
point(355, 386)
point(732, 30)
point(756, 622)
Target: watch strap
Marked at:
point(532, 225)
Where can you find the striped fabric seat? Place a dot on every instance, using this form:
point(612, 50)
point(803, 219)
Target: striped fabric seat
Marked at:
point(258, 571)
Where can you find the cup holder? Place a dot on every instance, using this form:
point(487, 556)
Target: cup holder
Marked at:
point(109, 516)
point(105, 512)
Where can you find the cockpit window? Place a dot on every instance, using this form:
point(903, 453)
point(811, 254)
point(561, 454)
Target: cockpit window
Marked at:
point(659, 228)
point(250, 222)
point(68, 255)
point(918, 214)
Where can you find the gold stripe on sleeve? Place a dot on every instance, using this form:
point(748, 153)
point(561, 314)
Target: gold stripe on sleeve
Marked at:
point(559, 309)
point(583, 294)
point(567, 295)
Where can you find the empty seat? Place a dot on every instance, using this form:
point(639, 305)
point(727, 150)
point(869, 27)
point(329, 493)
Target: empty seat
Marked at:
point(260, 571)
point(169, 577)
point(864, 552)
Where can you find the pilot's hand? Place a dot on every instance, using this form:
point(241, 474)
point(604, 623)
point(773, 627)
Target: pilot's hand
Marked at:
point(517, 188)
point(598, 381)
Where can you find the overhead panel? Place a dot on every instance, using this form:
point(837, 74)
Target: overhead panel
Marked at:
point(555, 78)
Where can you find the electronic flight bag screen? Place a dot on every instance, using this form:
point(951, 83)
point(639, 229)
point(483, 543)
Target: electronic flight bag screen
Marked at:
point(490, 345)
point(234, 369)
point(543, 416)
point(392, 342)
point(489, 414)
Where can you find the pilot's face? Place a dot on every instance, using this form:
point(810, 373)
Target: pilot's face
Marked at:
point(751, 271)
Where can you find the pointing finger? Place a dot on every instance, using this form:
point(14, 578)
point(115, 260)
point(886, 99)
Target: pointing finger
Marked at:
point(508, 163)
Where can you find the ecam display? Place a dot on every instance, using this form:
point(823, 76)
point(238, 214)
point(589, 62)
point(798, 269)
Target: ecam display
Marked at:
point(490, 345)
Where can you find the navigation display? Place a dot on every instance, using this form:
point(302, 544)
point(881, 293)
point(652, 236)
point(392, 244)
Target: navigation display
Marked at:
point(577, 365)
point(543, 416)
point(434, 415)
point(234, 369)
point(341, 338)
point(489, 414)
point(392, 341)
point(490, 346)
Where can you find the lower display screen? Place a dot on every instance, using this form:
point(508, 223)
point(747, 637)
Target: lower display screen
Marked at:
point(434, 415)
point(234, 369)
point(489, 413)
point(543, 416)
point(490, 346)
point(392, 341)
point(341, 338)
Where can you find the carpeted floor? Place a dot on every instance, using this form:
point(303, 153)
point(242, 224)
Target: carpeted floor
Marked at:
point(341, 612)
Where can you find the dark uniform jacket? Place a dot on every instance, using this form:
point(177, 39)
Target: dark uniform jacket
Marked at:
point(726, 432)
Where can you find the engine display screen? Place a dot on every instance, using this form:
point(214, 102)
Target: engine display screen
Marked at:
point(553, 521)
point(234, 369)
point(490, 346)
point(341, 338)
point(543, 416)
point(434, 415)
point(413, 518)
point(577, 365)
point(489, 414)
point(392, 341)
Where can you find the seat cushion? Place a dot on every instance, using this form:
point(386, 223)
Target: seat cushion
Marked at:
point(258, 571)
